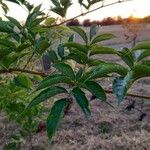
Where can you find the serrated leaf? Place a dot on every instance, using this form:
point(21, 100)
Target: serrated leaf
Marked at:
point(52, 80)
point(96, 90)
point(55, 116)
point(101, 38)
point(81, 100)
point(65, 69)
point(45, 94)
point(81, 32)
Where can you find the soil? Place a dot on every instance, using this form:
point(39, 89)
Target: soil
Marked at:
point(107, 129)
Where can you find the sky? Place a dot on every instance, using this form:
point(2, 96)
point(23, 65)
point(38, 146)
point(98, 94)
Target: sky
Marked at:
point(136, 8)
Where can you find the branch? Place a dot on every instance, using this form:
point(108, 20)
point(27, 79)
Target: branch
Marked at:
point(129, 94)
point(82, 14)
point(11, 70)
point(29, 60)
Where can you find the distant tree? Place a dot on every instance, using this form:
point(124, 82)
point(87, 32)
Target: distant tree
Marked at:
point(96, 22)
point(74, 22)
point(108, 21)
point(87, 23)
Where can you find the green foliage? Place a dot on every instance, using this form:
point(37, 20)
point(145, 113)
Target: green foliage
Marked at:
point(61, 6)
point(96, 90)
point(89, 3)
point(56, 114)
point(45, 94)
point(75, 69)
point(82, 100)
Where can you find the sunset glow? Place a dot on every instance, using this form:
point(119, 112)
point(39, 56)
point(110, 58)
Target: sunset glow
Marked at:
point(136, 8)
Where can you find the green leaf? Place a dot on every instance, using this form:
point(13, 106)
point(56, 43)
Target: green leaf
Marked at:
point(23, 46)
point(79, 74)
point(127, 57)
point(60, 50)
point(97, 49)
point(5, 26)
point(95, 62)
point(81, 33)
point(122, 84)
point(65, 69)
point(45, 94)
point(9, 59)
point(144, 54)
point(56, 3)
point(34, 15)
point(37, 22)
point(93, 31)
point(102, 37)
point(81, 55)
point(41, 46)
point(78, 46)
point(14, 1)
point(103, 70)
point(50, 21)
point(14, 21)
point(23, 81)
point(141, 46)
point(53, 56)
point(140, 71)
point(71, 38)
point(52, 80)
point(147, 63)
point(96, 90)
point(82, 100)
point(55, 116)
point(7, 43)
point(4, 52)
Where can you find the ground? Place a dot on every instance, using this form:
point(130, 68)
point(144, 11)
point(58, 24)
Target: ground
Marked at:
point(107, 129)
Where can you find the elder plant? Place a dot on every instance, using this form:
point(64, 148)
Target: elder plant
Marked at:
point(22, 45)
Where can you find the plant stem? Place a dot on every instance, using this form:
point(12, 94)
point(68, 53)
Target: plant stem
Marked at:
point(130, 94)
point(11, 70)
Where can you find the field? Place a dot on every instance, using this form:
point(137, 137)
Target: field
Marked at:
point(108, 128)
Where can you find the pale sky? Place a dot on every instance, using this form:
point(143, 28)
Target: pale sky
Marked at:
point(137, 8)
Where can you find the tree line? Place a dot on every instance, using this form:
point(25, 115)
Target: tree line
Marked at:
point(108, 21)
